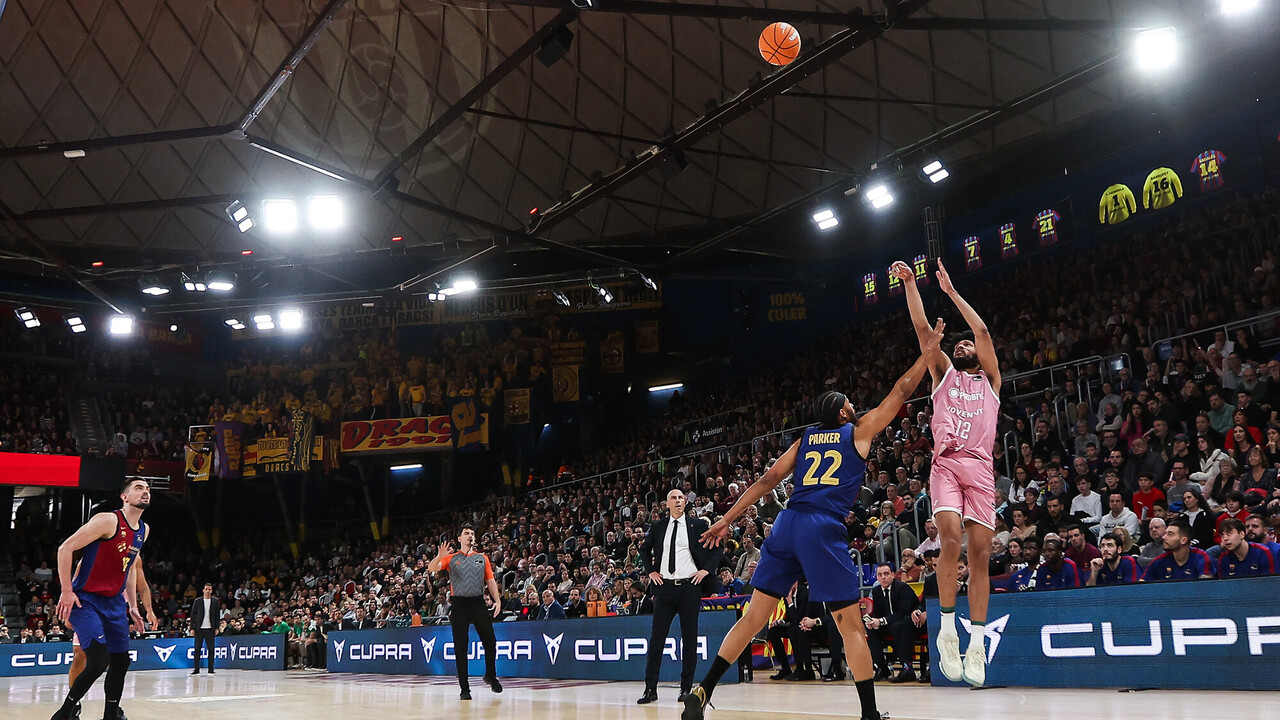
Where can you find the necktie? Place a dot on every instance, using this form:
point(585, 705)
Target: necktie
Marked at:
point(671, 555)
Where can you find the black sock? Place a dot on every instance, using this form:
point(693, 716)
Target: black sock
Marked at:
point(867, 696)
point(111, 711)
point(718, 666)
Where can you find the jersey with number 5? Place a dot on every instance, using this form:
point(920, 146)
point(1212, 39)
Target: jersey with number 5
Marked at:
point(828, 472)
point(965, 411)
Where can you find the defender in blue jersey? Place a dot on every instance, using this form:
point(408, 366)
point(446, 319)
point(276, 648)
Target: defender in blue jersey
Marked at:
point(808, 538)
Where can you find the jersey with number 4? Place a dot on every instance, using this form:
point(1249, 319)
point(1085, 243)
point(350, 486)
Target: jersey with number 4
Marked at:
point(965, 411)
point(828, 472)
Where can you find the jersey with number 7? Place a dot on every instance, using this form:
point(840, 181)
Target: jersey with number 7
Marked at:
point(828, 472)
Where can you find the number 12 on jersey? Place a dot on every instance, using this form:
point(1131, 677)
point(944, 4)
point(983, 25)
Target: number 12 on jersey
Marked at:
point(815, 460)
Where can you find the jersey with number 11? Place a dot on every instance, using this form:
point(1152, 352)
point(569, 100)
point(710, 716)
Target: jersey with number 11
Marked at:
point(965, 411)
point(829, 471)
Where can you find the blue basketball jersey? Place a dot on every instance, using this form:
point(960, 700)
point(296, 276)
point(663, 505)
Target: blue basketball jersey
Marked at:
point(828, 472)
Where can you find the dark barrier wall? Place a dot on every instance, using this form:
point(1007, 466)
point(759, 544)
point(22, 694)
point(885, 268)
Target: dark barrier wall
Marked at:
point(238, 652)
point(587, 649)
point(1205, 635)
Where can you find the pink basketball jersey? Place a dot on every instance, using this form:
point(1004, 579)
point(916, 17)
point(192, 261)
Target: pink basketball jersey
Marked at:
point(965, 411)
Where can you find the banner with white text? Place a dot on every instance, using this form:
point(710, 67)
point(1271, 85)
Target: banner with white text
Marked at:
point(230, 652)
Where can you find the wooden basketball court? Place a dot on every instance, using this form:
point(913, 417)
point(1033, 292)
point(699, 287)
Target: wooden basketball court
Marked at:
point(312, 695)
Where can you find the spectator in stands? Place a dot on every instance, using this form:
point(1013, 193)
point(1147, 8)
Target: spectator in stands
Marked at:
point(1055, 519)
point(1179, 561)
point(1141, 460)
point(750, 554)
point(1146, 496)
point(1056, 572)
point(1220, 413)
point(931, 541)
point(550, 609)
point(1177, 485)
point(1086, 506)
point(1257, 475)
point(1079, 550)
point(1021, 529)
point(729, 585)
point(1199, 518)
point(575, 607)
point(1119, 516)
point(1112, 567)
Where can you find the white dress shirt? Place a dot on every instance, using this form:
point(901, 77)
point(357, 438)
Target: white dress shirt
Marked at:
point(685, 566)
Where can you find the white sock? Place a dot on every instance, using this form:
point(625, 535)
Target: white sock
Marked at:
point(949, 622)
point(977, 641)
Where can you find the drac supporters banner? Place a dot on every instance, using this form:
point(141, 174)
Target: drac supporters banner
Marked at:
point(233, 652)
point(1206, 635)
point(612, 648)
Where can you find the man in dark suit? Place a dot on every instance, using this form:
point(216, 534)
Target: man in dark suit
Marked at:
point(550, 609)
point(206, 613)
point(890, 619)
point(800, 625)
point(681, 574)
point(361, 621)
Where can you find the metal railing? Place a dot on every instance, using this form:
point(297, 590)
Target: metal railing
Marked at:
point(1168, 342)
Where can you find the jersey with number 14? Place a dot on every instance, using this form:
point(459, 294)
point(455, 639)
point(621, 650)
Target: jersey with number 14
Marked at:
point(965, 411)
point(828, 472)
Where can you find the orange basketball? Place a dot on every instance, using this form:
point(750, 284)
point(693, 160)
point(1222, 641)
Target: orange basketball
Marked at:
point(779, 44)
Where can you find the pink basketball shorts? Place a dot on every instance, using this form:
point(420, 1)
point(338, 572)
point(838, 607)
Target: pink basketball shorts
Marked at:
point(964, 485)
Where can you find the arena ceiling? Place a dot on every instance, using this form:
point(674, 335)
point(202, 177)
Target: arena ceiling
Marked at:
point(437, 124)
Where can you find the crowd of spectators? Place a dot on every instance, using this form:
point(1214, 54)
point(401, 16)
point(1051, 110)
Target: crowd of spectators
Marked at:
point(1183, 437)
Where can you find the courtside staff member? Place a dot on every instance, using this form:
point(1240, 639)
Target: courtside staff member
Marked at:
point(470, 574)
point(678, 566)
point(206, 613)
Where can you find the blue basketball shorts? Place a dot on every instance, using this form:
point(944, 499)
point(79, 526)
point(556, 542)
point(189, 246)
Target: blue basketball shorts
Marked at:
point(812, 544)
point(102, 619)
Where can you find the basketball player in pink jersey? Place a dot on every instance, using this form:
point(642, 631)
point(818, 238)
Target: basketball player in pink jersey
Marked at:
point(966, 406)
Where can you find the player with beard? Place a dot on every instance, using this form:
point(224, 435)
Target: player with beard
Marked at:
point(101, 600)
point(1255, 531)
point(1112, 568)
point(966, 406)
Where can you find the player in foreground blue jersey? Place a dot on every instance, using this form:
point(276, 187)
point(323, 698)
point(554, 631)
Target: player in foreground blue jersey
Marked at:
point(808, 539)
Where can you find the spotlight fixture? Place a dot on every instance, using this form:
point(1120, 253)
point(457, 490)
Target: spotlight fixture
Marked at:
point(826, 219)
point(27, 317)
point(878, 196)
point(193, 283)
point(935, 171)
point(560, 297)
point(234, 323)
point(649, 282)
point(324, 212)
point(280, 215)
point(604, 293)
point(173, 328)
point(465, 283)
point(239, 214)
point(264, 322)
point(291, 319)
point(151, 285)
point(669, 386)
point(1156, 49)
point(219, 281)
point(76, 323)
point(1237, 7)
point(121, 325)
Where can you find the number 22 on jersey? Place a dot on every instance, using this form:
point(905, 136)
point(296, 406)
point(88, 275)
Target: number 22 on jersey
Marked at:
point(815, 461)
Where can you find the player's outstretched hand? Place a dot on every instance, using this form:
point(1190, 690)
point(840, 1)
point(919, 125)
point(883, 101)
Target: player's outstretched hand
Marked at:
point(944, 280)
point(715, 534)
point(902, 271)
point(933, 338)
point(445, 549)
point(66, 601)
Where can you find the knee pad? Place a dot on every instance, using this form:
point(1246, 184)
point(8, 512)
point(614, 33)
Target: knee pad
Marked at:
point(96, 659)
point(119, 662)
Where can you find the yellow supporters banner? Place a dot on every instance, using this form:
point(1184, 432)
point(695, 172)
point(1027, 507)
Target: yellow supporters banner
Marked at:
point(647, 336)
point(518, 406)
point(564, 383)
point(613, 353)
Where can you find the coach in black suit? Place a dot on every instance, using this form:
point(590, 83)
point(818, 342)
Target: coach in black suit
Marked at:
point(681, 572)
point(206, 613)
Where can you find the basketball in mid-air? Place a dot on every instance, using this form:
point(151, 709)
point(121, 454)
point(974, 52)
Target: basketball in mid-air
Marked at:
point(779, 44)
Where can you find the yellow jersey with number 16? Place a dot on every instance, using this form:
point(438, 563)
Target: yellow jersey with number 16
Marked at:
point(1161, 189)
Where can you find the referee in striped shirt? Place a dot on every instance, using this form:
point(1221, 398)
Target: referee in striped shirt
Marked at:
point(470, 574)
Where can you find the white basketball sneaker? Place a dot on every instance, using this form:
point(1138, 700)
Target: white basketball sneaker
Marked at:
point(975, 661)
point(949, 655)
